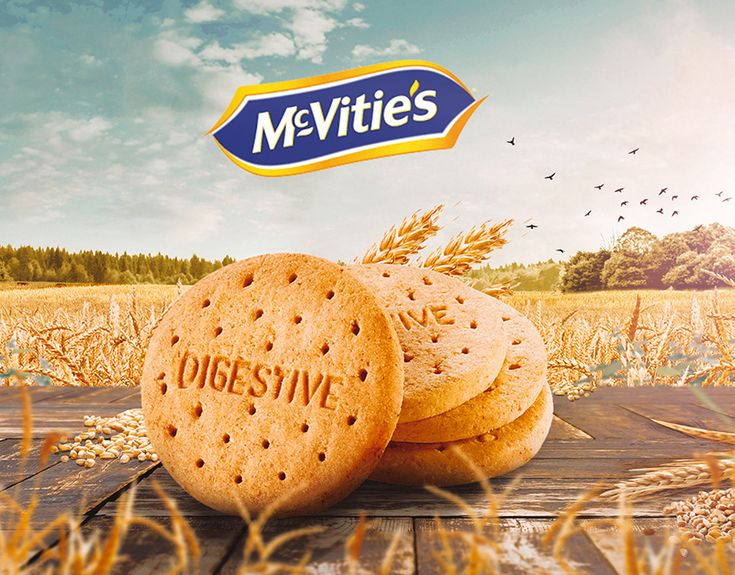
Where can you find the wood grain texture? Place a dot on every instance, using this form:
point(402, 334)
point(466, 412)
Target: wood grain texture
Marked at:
point(594, 441)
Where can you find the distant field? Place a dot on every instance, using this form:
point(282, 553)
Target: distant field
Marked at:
point(97, 335)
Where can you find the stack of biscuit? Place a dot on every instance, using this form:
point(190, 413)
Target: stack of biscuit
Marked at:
point(475, 380)
point(283, 381)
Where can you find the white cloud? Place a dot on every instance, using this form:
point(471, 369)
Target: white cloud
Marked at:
point(395, 46)
point(203, 12)
point(357, 23)
point(89, 60)
point(175, 50)
point(358, 6)
point(274, 44)
point(310, 29)
point(267, 6)
point(86, 130)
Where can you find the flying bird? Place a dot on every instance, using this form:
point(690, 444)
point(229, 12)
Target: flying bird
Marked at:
point(663, 191)
point(674, 198)
point(633, 151)
point(588, 213)
point(621, 218)
point(531, 226)
point(660, 211)
point(625, 203)
point(695, 198)
point(726, 200)
point(600, 186)
point(561, 251)
point(644, 202)
point(512, 141)
point(674, 213)
point(699, 227)
point(550, 177)
point(619, 190)
point(719, 194)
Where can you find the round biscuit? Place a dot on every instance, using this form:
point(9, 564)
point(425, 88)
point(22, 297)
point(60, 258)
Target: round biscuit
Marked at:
point(517, 386)
point(452, 336)
point(492, 454)
point(274, 381)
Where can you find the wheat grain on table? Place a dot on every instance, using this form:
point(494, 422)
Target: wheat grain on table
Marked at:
point(593, 441)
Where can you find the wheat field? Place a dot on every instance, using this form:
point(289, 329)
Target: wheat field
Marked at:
point(98, 335)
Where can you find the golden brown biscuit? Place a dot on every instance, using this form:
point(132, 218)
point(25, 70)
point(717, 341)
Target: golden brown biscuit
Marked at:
point(493, 453)
point(275, 379)
point(520, 380)
point(452, 336)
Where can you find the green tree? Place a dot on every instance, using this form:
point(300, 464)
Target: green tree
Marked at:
point(583, 271)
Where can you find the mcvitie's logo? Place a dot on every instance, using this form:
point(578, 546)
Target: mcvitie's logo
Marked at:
point(304, 125)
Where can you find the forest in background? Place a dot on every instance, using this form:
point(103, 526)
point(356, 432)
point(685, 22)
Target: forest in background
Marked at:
point(637, 260)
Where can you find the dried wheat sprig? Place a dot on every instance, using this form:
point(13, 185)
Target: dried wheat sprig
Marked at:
point(504, 289)
point(724, 279)
point(678, 475)
point(466, 250)
point(398, 245)
point(721, 436)
point(569, 363)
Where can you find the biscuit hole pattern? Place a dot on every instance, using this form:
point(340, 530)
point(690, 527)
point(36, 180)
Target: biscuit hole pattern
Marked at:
point(441, 448)
point(304, 427)
point(355, 327)
point(516, 342)
point(434, 338)
point(506, 318)
point(427, 281)
point(292, 278)
point(268, 346)
point(514, 366)
point(218, 331)
point(175, 340)
point(459, 299)
point(363, 374)
point(251, 410)
point(407, 357)
point(226, 438)
point(198, 410)
point(281, 475)
point(473, 324)
point(465, 350)
point(164, 389)
point(171, 430)
point(330, 294)
point(351, 420)
point(238, 479)
point(322, 456)
point(325, 348)
point(258, 314)
point(437, 369)
point(248, 281)
point(200, 463)
point(411, 295)
point(265, 443)
point(206, 303)
point(297, 319)
point(386, 274)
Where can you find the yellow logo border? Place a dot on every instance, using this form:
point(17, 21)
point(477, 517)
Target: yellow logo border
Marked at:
point(438, 143)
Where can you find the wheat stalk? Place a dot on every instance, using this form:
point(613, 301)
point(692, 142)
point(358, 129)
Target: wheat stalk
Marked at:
point(398, 245)
point(724, 279)
point(701, 433)
point(466, 250)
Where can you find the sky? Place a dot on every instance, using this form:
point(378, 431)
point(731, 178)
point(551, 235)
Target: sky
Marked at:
point(105, 106)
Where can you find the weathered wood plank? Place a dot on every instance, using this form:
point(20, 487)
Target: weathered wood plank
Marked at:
point(563, 430)
point(520, 548)
point(327, 548)
point(648, 533)
point(13, 469)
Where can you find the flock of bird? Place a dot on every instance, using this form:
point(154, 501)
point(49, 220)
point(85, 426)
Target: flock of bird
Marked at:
point(624, 203)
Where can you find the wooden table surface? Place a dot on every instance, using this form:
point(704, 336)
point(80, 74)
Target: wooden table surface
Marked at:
point(596, 439)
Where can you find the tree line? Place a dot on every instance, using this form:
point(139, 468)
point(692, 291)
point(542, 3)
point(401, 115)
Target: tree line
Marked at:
point(639, 259)
point(29, 264)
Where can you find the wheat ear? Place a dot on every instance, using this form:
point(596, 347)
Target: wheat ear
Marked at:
point(398, 245)
point(721, 436)
point(724, 279)
point(465, 250)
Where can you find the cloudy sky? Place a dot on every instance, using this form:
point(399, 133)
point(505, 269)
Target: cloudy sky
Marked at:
point(105, 106)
